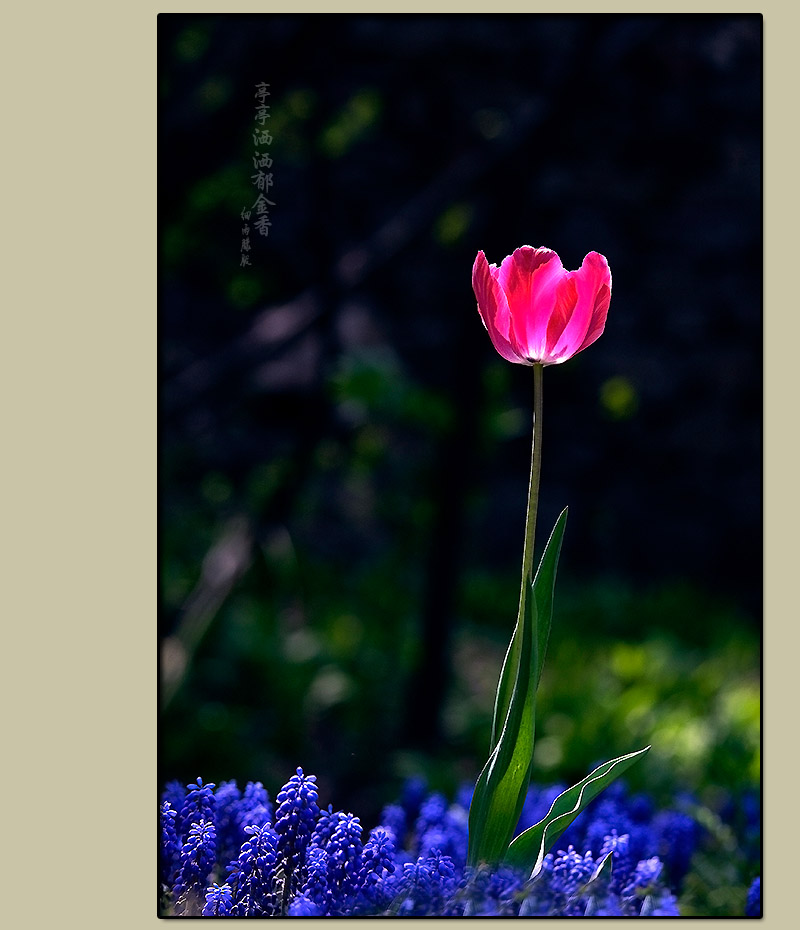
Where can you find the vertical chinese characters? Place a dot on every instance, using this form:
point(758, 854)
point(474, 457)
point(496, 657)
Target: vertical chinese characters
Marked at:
point(245, 259)
point(262, 179)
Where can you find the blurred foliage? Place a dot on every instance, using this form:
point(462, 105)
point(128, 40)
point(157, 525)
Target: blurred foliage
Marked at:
point(344, 457)
point(308, 663)
point(351, 124)
point(683, 676)
point(723, 868)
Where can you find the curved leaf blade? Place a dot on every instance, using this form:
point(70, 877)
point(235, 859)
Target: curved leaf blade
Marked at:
point(529, 849)
point(543, 591)
point(502, 785)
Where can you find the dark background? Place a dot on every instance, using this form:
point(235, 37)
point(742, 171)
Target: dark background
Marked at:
point(343, 455)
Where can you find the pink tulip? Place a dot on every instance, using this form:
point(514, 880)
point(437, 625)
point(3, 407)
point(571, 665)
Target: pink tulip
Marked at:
point(535, 310)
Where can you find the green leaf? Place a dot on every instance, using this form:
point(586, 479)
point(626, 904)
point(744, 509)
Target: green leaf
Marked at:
point(590, 888)
point(502, 785)
point(543, 588)
point(528, 850)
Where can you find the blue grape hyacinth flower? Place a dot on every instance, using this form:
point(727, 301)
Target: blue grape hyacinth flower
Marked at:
point(224, 853)
point(753, 906)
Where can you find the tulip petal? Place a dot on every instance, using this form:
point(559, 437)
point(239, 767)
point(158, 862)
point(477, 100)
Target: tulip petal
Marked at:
point(601, 305)
point(592, 286)
point(530, 277)
point(566, 300)
point(493, 308)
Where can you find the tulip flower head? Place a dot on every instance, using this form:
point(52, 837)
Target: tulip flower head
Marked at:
point(537, 312)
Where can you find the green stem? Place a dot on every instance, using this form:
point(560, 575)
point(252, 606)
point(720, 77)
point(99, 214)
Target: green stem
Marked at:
point(509, 670)
point(533, 488)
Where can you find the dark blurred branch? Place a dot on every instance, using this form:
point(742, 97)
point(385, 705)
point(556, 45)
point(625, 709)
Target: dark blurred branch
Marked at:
point(273, 332)
point(277, 328)
point(429, 684)
point(224, 564)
